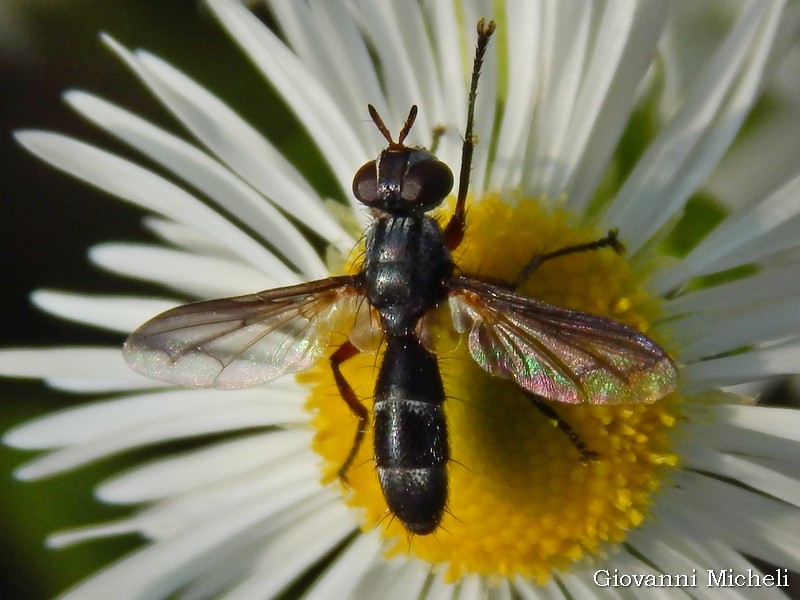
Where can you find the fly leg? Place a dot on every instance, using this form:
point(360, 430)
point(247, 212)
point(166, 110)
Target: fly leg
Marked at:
point(609, 241)
point(345, 352)
point(586, 455)
point(454, 231)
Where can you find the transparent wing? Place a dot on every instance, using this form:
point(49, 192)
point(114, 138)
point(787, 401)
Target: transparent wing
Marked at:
point(243, 341)
point(556, 353)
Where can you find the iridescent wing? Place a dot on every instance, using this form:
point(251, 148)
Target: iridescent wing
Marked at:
point(557, 353)
point(244, 341)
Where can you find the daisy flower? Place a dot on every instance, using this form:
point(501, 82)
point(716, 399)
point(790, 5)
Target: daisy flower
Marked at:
point(590, 117)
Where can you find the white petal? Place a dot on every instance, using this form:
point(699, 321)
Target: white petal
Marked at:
point(340, 60)
point(753, 365)
point(710, 333)
point(694, 31)
point(277, 489)
point(209, 177)
point(242, 148)
point(451, 55)
point(105, 418)
point(397, 31)
point(187, 238)
point(562, 66)
point(768, 227)
point(163, 567)
point(97, 368)
point(580, 587)
point(769, 284)
point(690, 145)
point(768, 151)
point(679, 550)
point(197, 275)
point(528, 590)
point(381, 573)
point(760, 159)
point(107, 428)
point(747, 471)
point(93, 532)
point(438, 588)
point(523, 60)
point(757, 437)
point(202, 467)
point(293, 549)
point(780, 422)
point(621, 561)
point(620, 55)
point(116, 313)
point(711, 506)
point(238, 564)
point(325, 123)
point(349, 572)
point(142, 187)
point(414, 575)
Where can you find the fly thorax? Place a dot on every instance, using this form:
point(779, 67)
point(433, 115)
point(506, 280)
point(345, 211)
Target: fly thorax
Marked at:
point(405, 267)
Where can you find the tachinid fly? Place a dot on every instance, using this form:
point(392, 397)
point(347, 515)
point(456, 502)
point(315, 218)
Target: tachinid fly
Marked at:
point(552, 353)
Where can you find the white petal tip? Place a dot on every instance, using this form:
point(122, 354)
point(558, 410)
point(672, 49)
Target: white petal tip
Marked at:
point(74, 96)
point(18, 438)
point(26, 473)
point(28, 137)
point(77, 536)
point(109, 41)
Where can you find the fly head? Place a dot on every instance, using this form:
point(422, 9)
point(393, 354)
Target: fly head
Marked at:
point(402, 180)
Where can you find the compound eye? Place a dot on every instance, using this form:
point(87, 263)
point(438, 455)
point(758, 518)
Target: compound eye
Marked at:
point(365, 184)
point(427, 183)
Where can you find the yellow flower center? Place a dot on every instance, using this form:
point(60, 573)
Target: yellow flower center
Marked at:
point(520, 500)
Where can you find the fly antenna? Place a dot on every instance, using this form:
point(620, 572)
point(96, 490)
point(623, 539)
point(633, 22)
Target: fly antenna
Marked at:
point(412, 116)
point(376, 118)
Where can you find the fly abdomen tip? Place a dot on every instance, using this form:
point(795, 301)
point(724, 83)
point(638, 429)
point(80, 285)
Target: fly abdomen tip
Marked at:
point(417, 496)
